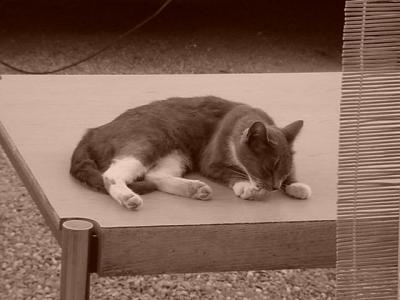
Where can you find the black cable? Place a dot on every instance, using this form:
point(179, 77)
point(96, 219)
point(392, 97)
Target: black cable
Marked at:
point(95, 53)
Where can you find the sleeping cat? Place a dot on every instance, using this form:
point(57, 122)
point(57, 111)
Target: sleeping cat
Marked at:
point(151, 147)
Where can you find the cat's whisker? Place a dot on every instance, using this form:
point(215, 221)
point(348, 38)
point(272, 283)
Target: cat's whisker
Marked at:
point(261, 184)
point(256, 179)
point(236, 171)
point(243, 175)
point(246, 178)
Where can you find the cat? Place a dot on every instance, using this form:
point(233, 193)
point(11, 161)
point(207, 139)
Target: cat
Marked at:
point(151, 147)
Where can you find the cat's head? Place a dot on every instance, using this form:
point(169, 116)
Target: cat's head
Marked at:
point(266, 153)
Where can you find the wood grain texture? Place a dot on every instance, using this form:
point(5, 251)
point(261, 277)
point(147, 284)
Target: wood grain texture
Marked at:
point(75, 260)
point(204, 248)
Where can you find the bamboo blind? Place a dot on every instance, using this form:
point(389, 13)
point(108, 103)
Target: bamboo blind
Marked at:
point(369, 152)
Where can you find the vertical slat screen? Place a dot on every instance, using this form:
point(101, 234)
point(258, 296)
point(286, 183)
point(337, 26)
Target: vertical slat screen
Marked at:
point(369, 152)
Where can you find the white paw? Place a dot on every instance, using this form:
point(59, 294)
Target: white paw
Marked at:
point(200, 190)
point(245, 190)
point(298, 190)
point(132, 201)
point(125, 196)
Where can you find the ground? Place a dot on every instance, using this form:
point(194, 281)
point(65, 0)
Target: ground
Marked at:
point(194, 36)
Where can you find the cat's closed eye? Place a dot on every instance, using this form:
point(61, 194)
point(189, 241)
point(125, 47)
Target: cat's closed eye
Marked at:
point(267, 171)
point(276, 163)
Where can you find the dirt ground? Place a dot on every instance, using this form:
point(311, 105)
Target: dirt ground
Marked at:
point(236, 36)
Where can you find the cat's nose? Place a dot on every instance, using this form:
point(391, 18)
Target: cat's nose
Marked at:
point(276, 186)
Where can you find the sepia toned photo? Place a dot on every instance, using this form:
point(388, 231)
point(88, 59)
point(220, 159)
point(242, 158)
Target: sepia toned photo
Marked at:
point(199, 150)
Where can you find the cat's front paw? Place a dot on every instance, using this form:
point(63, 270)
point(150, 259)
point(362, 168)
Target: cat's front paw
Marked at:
point(298, 190)
point(200, 190)
point(245, 190)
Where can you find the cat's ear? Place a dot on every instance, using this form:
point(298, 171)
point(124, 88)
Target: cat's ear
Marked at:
point(257, 133)
point(292, 130)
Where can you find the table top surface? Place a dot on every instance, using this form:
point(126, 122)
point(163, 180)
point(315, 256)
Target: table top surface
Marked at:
point(45, 117)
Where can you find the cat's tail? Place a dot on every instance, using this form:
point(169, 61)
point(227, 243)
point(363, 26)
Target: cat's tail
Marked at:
point(84, 168)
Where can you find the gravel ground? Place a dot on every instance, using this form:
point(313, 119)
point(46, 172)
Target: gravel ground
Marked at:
point(196, 36)
point(189, 37)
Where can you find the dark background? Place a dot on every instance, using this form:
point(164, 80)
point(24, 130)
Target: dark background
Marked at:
point(190, 36)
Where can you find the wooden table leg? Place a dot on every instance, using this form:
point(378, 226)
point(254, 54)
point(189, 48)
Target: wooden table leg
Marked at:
point(75, 257)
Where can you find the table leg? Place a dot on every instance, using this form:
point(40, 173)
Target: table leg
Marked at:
point(75, 257)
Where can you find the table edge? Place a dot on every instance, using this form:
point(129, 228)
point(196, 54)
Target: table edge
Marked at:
point(110, 240)
point(25, 174)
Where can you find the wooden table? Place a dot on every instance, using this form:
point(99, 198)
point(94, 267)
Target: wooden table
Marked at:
point(43, 117)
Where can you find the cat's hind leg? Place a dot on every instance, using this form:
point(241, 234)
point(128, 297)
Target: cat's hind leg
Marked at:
point(167, 176)
point(124, 170)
